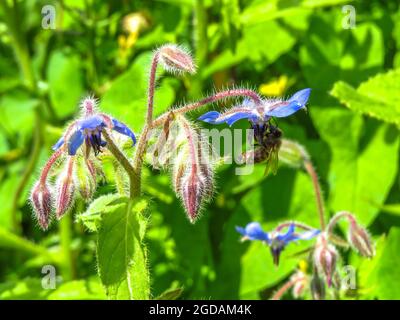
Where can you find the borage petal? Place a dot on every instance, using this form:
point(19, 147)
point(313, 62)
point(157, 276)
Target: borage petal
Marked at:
point(91, 123)
point(229, 117)
point(253, 231)
point(58, 144)
point(210, 116)
point(75, 141)
point(301, 96)
point(288, 236)
point(307, 235)
point(283, 109)
point(123, 129)
point(292, 105)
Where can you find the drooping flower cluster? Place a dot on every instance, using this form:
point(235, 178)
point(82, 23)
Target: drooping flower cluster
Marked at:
point(80, 166)
point(181, 148)
point(326, 255)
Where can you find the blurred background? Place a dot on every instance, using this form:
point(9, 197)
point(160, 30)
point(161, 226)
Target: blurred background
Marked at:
point(53, 53)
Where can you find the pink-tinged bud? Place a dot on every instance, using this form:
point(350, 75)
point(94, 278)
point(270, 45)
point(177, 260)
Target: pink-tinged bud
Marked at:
point(192, 189)
point(176, 59)
point(88, 106)
point(325, 257)
point(360, 240)
point(194, 184)
point(41, 201)
point(65, 190)
point(300, 284)
point(179, 170)
point(317, 287)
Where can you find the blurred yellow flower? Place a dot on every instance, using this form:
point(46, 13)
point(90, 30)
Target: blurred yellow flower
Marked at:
point(303, 266)
point(275, 87)
point(134, 22)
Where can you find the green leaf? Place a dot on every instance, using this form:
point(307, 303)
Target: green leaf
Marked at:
point(379, 97)
point(11, 241)
point(121, 253)
point(249, 47)
point(379, 277)
point(267, 10)
point(31, 289)
point(362, 171)
point(329, 52)
point(91, 218)
point(126, 97)
point(65, 83)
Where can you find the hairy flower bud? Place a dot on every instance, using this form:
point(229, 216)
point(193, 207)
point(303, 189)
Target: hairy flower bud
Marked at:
point(195, 188)
point(317, 287)
point(360, 240)
point(85, 178)
point(194, 184)
point(41, 200)
point(292, 153)
point(191, 188)
point(65, 189)
point(325, 257)
point(179, 170)
point(300, 282)
point(176, 59)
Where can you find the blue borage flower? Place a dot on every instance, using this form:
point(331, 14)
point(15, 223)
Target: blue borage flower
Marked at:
point(89, 130)
point(259, 113)
point(276, 240)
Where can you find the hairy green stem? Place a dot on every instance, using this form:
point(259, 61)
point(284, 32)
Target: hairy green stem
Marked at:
point(296, 224)
point(66, 252)
point(337, 217)
point(317, 189)
point(201, 45)
point(133, 192)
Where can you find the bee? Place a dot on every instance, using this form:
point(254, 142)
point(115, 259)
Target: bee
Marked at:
point(268, 140)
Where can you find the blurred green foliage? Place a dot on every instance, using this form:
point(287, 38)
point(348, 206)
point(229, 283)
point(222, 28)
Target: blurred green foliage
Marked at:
point(95, 48)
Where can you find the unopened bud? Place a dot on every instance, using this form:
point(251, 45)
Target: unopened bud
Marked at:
point(325, 257)
point(300, 283)
point(65, 190)
point(176, 59)
point(317, 287)
point(193, 193)
point(41, 202)
point(85, 178)
point(360, 240)
point(292, 153)
point(179, 170)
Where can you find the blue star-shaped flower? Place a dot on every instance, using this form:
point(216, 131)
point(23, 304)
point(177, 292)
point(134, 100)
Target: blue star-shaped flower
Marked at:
point(276, 240)
point(89, 129)
point(259, 113)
